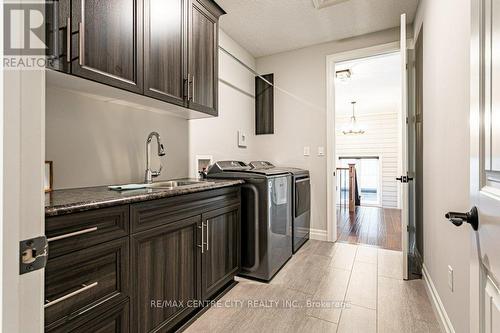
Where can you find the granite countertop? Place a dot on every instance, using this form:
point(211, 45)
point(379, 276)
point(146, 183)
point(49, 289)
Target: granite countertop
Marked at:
point(60, 202)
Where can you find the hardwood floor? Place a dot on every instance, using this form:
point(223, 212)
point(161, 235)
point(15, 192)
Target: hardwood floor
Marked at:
point(380, 227)
point(326, 287)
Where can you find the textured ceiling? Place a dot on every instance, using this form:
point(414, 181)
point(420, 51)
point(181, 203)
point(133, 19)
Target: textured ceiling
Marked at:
point(265, 27)
point(375, 85)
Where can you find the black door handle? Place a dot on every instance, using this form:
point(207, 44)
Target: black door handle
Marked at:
point(404, 179)
point(470, 217)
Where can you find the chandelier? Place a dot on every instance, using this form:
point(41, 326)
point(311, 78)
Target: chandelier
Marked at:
point(353, 127)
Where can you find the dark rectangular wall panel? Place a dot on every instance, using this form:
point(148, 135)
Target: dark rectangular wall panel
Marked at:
point(264, 105)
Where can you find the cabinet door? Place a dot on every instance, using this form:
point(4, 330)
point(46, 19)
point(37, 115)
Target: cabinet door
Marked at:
point(58, 35)
point(221, 255)
point(107, 46)
point(166, 271)
point(203, 54)
point(164, 49)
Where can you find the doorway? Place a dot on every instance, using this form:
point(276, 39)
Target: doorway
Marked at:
point(368, 150)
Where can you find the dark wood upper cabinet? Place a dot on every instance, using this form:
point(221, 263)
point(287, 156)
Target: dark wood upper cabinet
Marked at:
point(165, 53)
point(165, 49)
point(203, 56)
point(108, 46)
point(264, 104)
point(58, 35)
point(221, 256)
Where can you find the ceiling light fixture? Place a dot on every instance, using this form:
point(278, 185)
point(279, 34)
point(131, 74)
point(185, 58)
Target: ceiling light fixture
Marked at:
point(353, 127)
point(343, 75)
point(319, 4)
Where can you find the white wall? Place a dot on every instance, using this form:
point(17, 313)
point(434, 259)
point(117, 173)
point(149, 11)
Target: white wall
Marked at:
point(446, 28)
point(93, 142)
point(218, 136)
point(380, 139)
point(300, 111)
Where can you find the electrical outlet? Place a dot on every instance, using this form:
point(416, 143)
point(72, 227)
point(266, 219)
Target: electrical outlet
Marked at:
point(450, 277)
point(307, 151)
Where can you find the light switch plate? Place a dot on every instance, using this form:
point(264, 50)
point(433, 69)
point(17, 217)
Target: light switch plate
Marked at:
point(242, 139)
point(307, 151)
point(321, 151)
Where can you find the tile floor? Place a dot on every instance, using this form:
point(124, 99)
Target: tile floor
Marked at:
point(327, 287)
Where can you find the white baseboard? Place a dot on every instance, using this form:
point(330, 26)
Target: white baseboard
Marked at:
point(438, 306)
point(318, 234)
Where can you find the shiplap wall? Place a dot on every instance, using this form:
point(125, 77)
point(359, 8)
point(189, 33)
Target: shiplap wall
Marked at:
point(380, 139)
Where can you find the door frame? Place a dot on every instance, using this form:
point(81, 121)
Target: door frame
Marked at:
point(477, 275)
point(22, 137)
point(331, 61)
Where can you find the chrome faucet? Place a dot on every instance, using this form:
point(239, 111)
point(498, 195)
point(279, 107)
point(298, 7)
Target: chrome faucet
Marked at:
point(150, 174)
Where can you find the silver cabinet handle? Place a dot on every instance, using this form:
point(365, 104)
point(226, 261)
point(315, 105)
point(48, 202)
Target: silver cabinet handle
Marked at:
point(55, 13)
point(189, 87)
point(208, 235)
point(72, 234)
point(68, 39)
point(185, 88)
point(81, 44)
point(202, 238)
point(74, 293)
point(192, 88)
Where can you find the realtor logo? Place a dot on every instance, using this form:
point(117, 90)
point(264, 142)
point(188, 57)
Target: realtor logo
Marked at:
point(24, 34)
point(24, 28)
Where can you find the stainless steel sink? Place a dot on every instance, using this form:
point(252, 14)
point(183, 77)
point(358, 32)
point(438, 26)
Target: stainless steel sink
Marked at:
point(178, 183)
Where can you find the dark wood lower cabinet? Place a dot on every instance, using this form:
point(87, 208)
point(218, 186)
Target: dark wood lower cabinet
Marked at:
point(221, 256)
point(91, 278)
point(114, 320)
point(176, 253)
point(166, 270)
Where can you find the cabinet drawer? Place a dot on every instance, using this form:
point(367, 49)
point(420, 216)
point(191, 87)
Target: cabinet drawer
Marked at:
point(146, 215)
point(114, 320)
point(81, 280)
point(68, 233)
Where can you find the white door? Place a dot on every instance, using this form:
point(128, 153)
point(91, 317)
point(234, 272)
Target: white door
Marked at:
point(485, 166)
point(404, 147)
point(22, 136)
